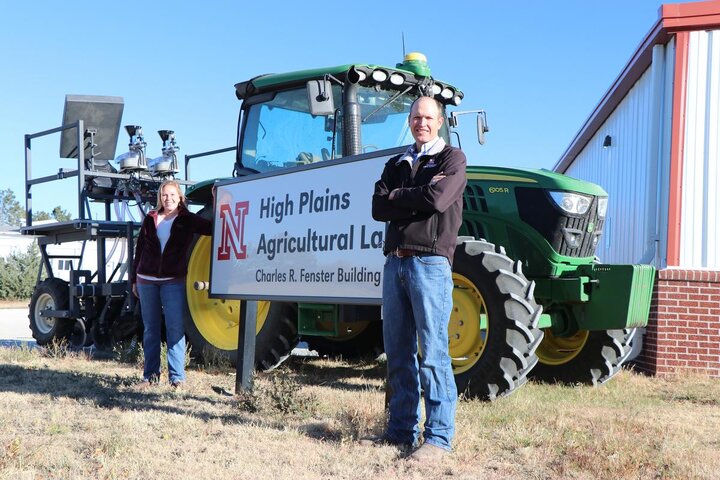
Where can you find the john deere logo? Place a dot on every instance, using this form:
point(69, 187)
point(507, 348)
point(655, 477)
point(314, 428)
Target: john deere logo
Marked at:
point(591, 227)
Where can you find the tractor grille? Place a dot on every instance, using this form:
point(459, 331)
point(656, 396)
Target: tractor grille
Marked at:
point(474, 198)
point(474, 201)
point(473, 228)
point(569, 235)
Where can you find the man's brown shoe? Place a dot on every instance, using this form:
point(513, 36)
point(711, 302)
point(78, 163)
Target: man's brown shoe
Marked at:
point(144, 385)
point(428, 453)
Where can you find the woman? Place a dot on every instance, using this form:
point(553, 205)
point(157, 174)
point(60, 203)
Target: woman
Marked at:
point(158, 279)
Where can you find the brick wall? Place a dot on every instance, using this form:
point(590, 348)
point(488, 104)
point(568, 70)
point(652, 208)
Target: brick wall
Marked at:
point(683, 332)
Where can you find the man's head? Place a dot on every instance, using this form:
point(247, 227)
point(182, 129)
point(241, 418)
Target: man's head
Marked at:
point(425, 120)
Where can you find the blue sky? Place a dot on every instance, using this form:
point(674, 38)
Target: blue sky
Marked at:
point(537, 67)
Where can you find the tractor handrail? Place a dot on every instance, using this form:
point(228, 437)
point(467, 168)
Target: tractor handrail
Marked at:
point(204, 154)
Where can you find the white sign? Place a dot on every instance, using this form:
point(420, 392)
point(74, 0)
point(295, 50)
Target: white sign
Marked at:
point(302, 235)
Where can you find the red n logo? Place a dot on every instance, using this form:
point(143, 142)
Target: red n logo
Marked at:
point(233, 231)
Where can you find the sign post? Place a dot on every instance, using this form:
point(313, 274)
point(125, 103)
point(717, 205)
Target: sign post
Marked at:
point(246, 346)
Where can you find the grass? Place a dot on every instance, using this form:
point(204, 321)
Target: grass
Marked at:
point(66, 415)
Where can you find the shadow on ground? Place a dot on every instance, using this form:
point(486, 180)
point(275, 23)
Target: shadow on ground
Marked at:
point(103, 391)
point(314, 371)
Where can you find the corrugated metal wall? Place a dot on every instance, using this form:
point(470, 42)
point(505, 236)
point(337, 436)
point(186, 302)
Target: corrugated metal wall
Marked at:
point(633, 166)
point(700, 225)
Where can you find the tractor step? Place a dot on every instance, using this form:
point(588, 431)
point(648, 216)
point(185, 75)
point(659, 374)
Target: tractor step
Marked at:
point(318, 319)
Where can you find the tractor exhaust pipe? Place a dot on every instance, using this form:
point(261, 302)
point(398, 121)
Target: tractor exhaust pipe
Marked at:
point(352, 143)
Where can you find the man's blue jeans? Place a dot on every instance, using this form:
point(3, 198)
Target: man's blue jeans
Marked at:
point(154, 300)
point(417, 301)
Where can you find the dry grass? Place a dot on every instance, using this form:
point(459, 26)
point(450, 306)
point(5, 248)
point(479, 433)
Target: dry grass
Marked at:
point(64, 415)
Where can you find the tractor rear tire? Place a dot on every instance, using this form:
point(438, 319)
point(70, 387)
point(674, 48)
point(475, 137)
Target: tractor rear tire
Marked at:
point(589, 357)
point(50, 294)
point(277, 337)
point(494, 361)
point(211, 325)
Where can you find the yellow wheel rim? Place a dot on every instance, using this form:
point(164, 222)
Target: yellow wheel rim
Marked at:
point(217, 320)
point(465, 336)
point(560, 350)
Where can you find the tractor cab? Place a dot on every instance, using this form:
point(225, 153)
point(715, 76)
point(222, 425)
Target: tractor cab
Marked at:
point(318, 115)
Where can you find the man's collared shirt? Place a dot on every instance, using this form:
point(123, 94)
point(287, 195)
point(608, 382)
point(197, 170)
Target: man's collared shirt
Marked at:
point(430, 148)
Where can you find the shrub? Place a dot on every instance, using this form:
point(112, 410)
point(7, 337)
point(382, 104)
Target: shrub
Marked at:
point(279, 393)
point(18, 274)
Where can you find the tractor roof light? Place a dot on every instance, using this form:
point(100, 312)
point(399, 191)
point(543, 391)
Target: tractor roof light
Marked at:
point(436, 89)
point(572, 203)
point(447, 93)
point(397, 79)
point(379, 75)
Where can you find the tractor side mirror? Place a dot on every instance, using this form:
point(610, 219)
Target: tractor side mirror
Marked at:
point(482, 127)
point(320, 97)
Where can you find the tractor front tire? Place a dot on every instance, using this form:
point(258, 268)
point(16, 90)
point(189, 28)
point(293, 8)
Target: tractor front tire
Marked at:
point(214, 339)
point(588, 357)
point(50, 294)
point(493, 359)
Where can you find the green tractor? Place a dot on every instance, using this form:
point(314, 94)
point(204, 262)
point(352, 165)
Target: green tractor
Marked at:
point(530, 298)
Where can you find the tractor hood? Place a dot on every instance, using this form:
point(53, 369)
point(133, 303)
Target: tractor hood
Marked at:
point(537, 178)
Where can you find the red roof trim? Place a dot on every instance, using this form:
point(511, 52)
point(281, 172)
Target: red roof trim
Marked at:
point(677, 148)
point(690, 16)
point(671, 19)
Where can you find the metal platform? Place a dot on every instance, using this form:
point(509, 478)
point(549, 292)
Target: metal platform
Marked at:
point(80, 230)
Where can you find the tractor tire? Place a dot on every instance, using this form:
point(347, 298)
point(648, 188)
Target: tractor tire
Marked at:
point(365, 340)
point(211, 325)
point(50, 294)
point(588, 357)
point(492, 360)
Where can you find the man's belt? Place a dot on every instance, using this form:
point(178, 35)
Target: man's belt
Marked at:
point(406, 252)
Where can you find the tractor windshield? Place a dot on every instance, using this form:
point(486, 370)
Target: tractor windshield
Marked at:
point(281, 132)
point(384, 117)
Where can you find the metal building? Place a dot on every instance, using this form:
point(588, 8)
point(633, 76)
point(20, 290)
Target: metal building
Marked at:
point(653, 142)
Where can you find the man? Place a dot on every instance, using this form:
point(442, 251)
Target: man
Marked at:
point(420, 195)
